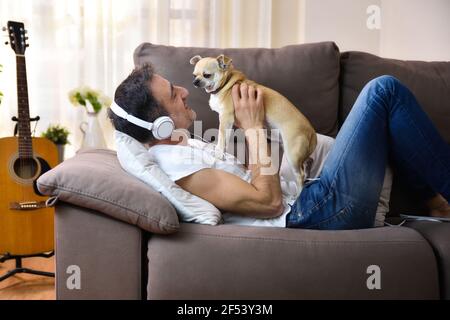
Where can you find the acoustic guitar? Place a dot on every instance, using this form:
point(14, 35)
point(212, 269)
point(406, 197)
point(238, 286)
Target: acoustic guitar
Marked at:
point(26, 224)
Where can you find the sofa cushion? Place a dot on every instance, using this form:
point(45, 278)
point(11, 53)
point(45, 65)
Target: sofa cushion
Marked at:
point(95, 180)
point(234, 262)
point(429, 81)
point(306, 74)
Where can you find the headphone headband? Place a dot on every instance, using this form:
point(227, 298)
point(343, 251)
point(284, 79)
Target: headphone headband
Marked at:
point(118, 110)
point(161, 129)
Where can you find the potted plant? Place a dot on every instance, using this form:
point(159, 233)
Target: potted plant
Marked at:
point(58, 135)
point(92, 100)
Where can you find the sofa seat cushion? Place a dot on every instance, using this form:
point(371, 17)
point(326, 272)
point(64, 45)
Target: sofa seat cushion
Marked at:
point(307, 74)
point(94, 179)
point(237, 262)
point(438, 235)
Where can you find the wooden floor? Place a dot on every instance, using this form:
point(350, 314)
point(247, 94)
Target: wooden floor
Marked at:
point(26, 286)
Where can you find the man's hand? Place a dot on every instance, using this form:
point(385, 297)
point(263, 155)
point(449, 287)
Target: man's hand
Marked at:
point(248, 106)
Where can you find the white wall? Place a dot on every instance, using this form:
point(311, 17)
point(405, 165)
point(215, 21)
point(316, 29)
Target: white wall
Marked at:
point(343, 21)
point(415, 29)
point(410, 29)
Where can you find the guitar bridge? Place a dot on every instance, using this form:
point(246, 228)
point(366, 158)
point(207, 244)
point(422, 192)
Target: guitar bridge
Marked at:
point(27, 205)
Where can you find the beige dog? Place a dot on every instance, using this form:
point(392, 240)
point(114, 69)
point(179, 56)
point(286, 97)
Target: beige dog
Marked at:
point(217, 76)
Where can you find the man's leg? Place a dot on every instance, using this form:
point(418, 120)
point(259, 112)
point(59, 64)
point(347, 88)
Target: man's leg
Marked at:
point(386, 119)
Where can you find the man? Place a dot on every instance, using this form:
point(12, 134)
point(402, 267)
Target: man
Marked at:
point(385, 121)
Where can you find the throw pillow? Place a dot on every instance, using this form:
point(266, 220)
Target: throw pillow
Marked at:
point(135, 159)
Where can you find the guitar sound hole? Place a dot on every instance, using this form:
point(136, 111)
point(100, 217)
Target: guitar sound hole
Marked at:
point(26, 168)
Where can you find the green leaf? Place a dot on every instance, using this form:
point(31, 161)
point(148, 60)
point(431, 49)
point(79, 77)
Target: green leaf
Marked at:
point(92, 98)
point(80, 99)
point(57, 134)
point(82, 95)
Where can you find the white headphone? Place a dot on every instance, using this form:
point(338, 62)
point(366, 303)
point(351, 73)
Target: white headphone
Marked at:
point(161, 128)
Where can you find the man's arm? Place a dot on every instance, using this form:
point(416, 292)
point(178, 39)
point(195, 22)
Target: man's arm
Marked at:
point(261, 197)
point(232, 194)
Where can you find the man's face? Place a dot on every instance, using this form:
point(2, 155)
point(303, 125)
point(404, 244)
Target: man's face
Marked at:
point(173, 99)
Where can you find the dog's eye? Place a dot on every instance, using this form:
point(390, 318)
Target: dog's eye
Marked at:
point(206, 75)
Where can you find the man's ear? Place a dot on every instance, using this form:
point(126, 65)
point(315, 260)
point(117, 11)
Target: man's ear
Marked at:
point(224, 61)
point(195, 59)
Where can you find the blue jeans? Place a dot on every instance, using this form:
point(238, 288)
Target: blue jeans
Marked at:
point(385, 124)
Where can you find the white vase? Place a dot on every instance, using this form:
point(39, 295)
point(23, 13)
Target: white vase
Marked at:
point(92, 132)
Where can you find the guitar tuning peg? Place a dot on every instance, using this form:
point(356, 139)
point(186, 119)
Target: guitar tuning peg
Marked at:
point(6, 42)
point(27, 45)
point(4, 29)
point(25, 31)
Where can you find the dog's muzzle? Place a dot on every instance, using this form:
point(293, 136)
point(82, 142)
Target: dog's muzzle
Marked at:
point(196, 83)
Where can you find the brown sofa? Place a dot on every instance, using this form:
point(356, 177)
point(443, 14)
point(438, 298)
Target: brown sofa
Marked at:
point(137, 249)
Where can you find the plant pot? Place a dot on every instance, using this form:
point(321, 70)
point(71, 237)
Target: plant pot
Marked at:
point(60, 148)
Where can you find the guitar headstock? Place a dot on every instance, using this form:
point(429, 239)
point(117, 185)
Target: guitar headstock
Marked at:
point(17, 36)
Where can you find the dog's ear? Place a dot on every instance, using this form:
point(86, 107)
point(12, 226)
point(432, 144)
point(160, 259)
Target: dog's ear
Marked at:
point(224, 61)
point(195, 59)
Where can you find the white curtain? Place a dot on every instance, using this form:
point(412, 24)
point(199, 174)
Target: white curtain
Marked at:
point(91, 42)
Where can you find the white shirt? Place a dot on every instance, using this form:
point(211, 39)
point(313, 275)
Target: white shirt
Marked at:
point(179, 161)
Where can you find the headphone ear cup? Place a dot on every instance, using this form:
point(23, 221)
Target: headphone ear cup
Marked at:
point(163, 128)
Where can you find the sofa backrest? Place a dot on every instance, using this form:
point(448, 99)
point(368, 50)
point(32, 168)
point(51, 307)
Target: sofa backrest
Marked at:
point(307, 74)
point(429, 81)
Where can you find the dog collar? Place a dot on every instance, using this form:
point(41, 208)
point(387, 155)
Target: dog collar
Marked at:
point(220, 88)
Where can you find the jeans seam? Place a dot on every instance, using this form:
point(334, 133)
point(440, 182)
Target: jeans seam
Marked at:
point(340, 213)
point(320, 204)
point(385, 94)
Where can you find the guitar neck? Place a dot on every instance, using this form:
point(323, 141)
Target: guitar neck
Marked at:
point(25, 141)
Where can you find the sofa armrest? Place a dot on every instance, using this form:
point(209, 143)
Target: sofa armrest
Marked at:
point(97, 257)
point(237, 262)
point(438, 235)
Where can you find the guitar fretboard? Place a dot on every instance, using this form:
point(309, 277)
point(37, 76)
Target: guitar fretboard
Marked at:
point(25, 142)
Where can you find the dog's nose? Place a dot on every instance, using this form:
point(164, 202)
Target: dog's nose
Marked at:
point(196, 82)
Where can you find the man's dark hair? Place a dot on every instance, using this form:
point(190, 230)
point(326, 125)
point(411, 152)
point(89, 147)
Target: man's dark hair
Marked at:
point(135, 97)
